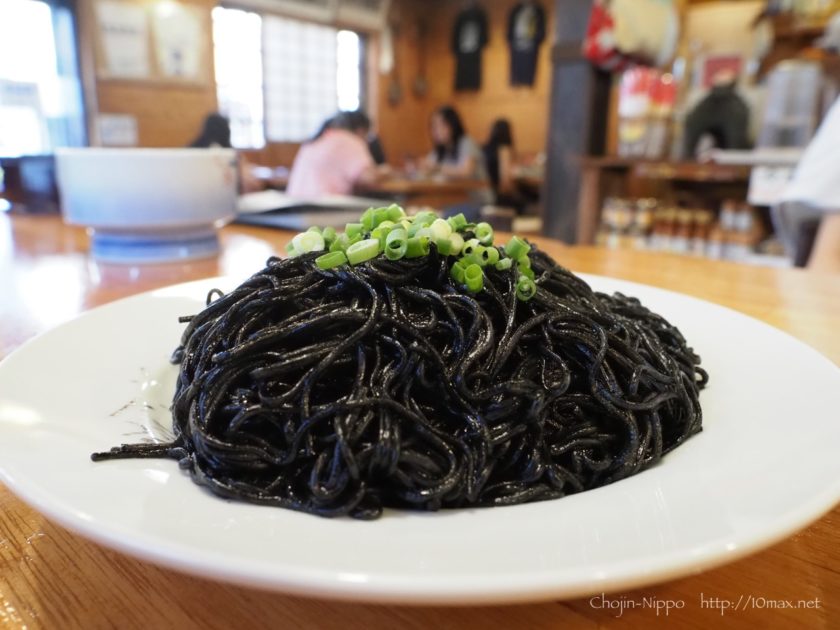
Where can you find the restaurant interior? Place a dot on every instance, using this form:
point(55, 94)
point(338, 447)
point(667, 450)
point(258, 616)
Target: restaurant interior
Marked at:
point(687, 145)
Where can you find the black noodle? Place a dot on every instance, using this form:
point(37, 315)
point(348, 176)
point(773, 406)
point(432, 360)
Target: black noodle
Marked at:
point(341, 392)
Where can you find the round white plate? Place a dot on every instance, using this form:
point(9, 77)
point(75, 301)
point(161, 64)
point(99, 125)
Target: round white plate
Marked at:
point(765, 465)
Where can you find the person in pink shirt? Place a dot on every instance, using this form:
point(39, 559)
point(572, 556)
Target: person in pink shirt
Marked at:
point(336, 161)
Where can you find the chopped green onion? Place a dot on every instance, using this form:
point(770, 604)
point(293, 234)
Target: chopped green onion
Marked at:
point(424, 232)
point(457, 242)
point(417, 246)
point(477, 256)
point(525, 288)
point(444, 246)
point(424, 218)
point(457, 272)
point(352, 229)
point(363, 250)
point(356, 238)
point(469, 246)
point(474, 278)
point(329, 234)
point(440, 229)
point(306, 242)
point(406, 224)
point(382, 231)
point(367, 219)
point(340, 244)
point(313, 228)
point(290, 249)
point(524, 261)
point(504, 263)
point(380, 215)
point(516, 247)
point(330, 260)
point(526, 271)
point(395, 212)
point(396, 244)
point(457, 222)
point(484, 233)
point(490, 255)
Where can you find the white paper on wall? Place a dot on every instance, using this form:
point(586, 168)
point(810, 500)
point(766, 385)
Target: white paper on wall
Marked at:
point(124, 37)
point(178, 40)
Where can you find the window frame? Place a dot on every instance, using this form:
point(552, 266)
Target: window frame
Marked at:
point(365, 50)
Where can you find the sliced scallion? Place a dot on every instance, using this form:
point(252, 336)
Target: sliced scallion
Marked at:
point(330, 260)
point(474, 278)
point(363, 250)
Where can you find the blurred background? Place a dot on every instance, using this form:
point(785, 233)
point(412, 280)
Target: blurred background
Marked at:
point(648, 124)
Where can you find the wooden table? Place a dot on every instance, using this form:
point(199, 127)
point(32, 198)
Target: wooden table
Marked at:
point(436, 193)
point(51, 578)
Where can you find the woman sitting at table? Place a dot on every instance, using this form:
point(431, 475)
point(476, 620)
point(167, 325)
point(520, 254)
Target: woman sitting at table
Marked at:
point(499, 157)
point(455, 154)
point(336, 161)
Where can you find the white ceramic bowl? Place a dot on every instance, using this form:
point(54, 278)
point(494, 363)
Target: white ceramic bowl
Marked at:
point(148, 205)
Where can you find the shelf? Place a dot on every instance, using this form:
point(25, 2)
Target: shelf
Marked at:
point(672, 171)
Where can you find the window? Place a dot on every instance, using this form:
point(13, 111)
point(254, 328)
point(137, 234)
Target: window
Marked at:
point(237, 52)
point(40, 95)
point(278, 78)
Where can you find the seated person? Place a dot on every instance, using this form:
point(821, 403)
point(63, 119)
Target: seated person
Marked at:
point(336, 161)
point(455, 154)
point(215, 133)
point(499, 157)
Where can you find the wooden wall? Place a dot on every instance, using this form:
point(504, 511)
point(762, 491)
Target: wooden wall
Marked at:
point(404, 128)
point(168, 114)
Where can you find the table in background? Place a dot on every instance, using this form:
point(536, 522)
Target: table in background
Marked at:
point(271, 178)
point(435, 193)
point(52, 578)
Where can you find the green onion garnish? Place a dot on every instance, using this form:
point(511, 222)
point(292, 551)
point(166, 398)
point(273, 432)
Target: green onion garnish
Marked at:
point(484, 233)
point(440, 229)
point(457, 272)
point(457, 222)
point(363, 250)
point(417, 246)
point(388, 231)
point(457, 242)
point(306, 242)
point(474, 278)
point(469, 246)
point(395, 213)
point(340, 244)
point(396, 244)
point(352, 229)
point(444, 246)
point(516, 247)
point(330, 260)
point(525, 288)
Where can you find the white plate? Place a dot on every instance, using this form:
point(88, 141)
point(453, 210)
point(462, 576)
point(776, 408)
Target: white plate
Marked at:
point(766, 465)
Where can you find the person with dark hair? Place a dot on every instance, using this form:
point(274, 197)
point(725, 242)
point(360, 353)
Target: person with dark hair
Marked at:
point(499, 157)
point(215, 132)
point(336, 160)
point(455, 154)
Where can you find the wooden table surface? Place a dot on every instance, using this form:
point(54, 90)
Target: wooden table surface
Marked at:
point(436, 193)
point(51, 578)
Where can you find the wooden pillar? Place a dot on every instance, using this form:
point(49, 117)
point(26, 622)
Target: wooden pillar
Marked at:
point(578, 119)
